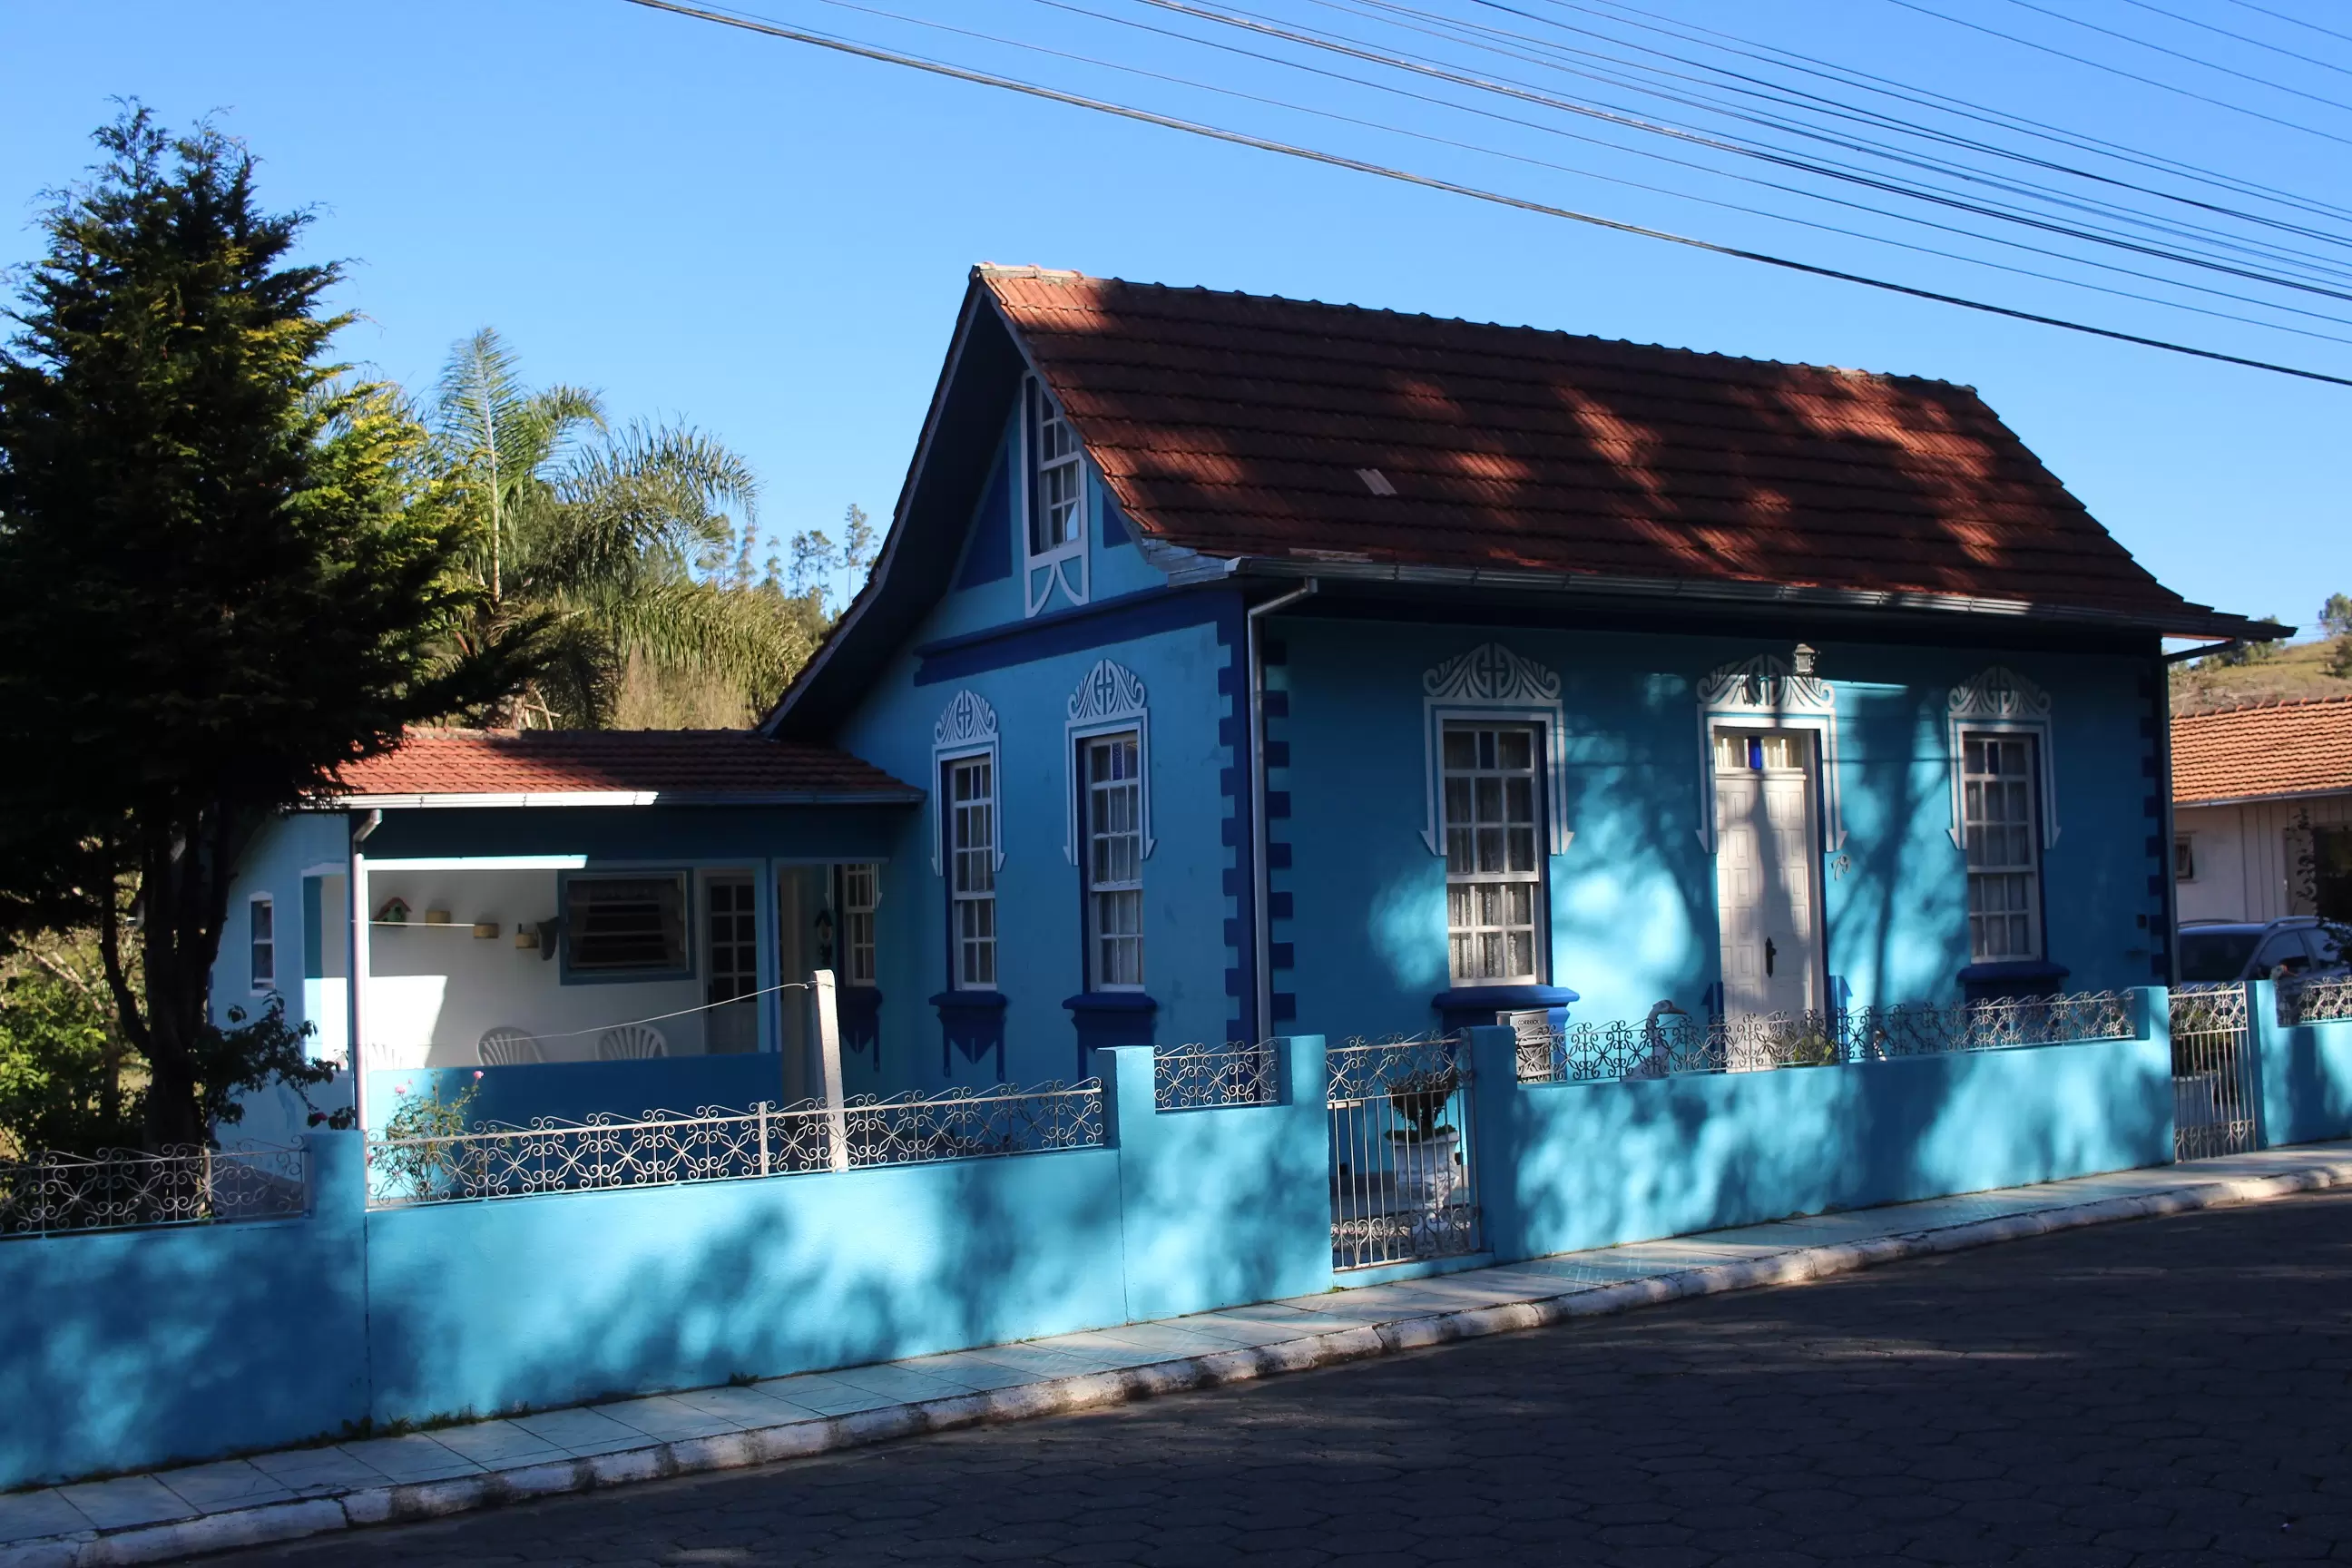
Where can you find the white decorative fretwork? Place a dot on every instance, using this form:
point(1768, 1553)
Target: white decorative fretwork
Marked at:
point(1771, 692)
point(1491, 682)
point(1109, 698)
point(1999, 701)
point(966, 728)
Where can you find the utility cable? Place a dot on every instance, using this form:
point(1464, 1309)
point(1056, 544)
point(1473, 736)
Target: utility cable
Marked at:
point(2298, 21)
point(2241, 38)
point(2178, 55)
point(2119, 71)
point(1944, 104)
point(1827, 170)
point(1402, 176)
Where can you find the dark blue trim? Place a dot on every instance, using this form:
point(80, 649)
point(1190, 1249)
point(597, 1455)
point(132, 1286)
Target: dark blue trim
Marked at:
point(1080, 627)
point(2024, 977)
point(860, 1009)
point(973, 1023)
point(1472, 1005)
point(1107, 1018)
point(988, 557)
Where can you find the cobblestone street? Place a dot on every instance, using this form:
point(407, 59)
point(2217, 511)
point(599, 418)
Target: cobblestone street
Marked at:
point(2166, 1392)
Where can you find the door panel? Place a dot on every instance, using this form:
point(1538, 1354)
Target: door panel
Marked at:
point(1766, 859)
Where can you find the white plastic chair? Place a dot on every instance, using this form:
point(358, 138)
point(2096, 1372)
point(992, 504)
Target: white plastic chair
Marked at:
point(630, 1042)
point(504, 1047)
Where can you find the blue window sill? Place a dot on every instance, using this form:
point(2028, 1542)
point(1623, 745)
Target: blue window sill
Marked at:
point(1107, 1018)
point(1470, 1005)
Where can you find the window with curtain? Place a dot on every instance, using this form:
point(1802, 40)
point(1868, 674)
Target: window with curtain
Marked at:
point(1494, 834)
point(970, 786)
point(2004, 857)
point(1114, 860)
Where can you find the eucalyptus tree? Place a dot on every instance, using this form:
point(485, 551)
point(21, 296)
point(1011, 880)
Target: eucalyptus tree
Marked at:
point(623, 540)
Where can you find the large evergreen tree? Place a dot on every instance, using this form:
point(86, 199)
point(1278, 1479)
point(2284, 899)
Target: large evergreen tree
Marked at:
point(225, 568)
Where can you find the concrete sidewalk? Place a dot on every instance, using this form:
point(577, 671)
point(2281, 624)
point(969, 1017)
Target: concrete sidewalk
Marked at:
point(299, 1492)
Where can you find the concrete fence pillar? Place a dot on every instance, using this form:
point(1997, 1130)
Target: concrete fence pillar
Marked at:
point(1496, 1129)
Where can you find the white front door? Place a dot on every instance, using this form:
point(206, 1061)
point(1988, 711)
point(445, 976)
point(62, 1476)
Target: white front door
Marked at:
point(1766, 859)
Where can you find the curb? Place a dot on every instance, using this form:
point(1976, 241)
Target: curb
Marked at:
point(281, 1521)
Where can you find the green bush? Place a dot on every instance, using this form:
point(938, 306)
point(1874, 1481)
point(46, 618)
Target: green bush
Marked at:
point(61, 1083)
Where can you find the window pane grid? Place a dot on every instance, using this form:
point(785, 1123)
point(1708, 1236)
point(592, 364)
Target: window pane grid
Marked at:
point(1114, 783)
point(734, 948)
point(971, 872)
point(1056, 476)
point(1998, 834)
point(861, 894)
point(1493, 894)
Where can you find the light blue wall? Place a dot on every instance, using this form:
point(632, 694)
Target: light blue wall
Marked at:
point(1573, 1165)
point(1633, 896)
point(2307, 1073)
point(124, 1350)
point(576, 1090)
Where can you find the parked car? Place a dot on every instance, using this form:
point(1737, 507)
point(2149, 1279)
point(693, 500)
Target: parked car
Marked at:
point(2298, 947)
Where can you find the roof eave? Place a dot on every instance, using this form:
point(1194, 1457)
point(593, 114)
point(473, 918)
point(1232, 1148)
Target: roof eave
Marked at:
point(905, 794)
point(1334, 568)
point(2263, 799)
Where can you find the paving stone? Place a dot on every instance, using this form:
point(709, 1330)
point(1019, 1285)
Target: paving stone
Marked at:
point(129, 1500)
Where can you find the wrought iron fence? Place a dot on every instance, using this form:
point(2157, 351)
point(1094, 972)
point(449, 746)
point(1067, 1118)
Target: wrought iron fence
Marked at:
point(1401, 1170)
point(53, 1194)
point(2216, 1078)
point(2314, 1001)
point(1672, 1041)
point(715, 1144)
point(1199, 1077)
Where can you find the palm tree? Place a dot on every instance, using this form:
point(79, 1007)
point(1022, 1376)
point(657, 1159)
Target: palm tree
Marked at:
point(618, 541)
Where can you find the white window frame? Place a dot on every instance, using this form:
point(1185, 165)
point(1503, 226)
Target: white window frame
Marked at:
point(2184, 852)
point(266, 907)
point(1999, 701)
point(966, 728)
point(2036, 941)
point(1490, 684)
point(961, 947)
point(1768, 692)
point(1535, 879)
point(1110, 697)
point(1090, 828)
point(861, 896)
point(1063, 563)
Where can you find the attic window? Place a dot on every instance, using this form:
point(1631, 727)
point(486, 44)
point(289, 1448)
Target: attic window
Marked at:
point(1055, 480)
point(1376, 482)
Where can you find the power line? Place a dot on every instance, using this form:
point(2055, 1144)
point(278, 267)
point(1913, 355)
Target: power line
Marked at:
point(2178, 55)
point(2298, 21)
point(2119, 71)
point(1826, 169)
point(1426, 181)
point(2241, 38)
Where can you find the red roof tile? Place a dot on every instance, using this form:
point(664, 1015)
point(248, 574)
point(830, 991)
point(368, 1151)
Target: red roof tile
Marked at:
point(649, 765)
point(2262, 748)
point(1240, 425)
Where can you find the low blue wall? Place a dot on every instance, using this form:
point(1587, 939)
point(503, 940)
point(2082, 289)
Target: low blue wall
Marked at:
point(126, 1350)
point(1566, 1166)
point(576, 1090)
point(2307, 1073)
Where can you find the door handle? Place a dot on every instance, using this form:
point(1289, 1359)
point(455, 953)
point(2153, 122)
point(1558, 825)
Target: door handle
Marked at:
point(1769, 953)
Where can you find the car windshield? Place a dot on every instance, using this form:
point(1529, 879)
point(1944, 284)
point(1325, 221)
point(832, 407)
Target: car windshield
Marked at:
point(2216, 954)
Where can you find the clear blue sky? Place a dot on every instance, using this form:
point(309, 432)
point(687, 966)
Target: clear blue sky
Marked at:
point(770, 241)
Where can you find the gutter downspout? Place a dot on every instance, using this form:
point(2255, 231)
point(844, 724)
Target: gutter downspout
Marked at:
point(355, 935)
point(1261, 879)
point(2166, 841)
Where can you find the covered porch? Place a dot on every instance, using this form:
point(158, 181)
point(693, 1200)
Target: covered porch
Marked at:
point(563, 952)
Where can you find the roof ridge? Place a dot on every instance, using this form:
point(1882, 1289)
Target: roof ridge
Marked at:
point(2260, 705)
point(1065, 275)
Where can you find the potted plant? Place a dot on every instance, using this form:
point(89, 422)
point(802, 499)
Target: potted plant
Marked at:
point(1423, 1151)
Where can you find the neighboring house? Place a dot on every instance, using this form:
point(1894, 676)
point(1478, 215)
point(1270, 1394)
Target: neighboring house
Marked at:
point(2262, 799)
point(1263, 666)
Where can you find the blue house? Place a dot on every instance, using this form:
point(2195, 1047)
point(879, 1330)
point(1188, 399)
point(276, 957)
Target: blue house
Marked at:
point(1237, 666)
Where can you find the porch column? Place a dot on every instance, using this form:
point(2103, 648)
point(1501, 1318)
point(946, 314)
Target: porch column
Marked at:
point(767, 971)
point(355, 982)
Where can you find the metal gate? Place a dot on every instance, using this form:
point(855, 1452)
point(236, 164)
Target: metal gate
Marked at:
point(2216, 1078)
point(1402, 1183)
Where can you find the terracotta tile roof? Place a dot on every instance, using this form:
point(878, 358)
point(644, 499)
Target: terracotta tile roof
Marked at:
point(1240, 425)
point(615, 766)
point(2262, 748)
